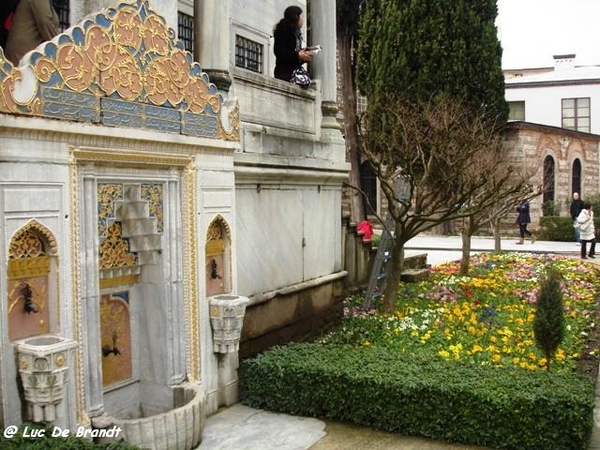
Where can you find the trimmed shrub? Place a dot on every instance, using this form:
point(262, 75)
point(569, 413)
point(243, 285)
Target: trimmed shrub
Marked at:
point(560, 228)
point(419, 395)
point(556, 229)
point(550, 208)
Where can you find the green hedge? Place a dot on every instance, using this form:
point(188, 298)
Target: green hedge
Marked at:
point(47, 442)
point(555, 228)
point(417, 395)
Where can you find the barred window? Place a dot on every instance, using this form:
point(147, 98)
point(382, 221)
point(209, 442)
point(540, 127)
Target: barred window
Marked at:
point(185, 28)
point(248, 54)
point(62, 10)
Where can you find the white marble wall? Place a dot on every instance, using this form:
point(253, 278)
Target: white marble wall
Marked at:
point(289, 229)
point(33, 175)
point(35, 183)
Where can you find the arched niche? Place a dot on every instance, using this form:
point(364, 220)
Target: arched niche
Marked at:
point(218, 257)
point(549, 181)
point(115, 334)
point(576, 177)
point(32, 275)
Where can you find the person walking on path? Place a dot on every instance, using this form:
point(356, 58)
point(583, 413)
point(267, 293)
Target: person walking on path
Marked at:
point(522, 220)
point(575, 209)
point(587, 230)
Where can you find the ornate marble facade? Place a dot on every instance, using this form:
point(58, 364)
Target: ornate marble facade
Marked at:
point(138, 170)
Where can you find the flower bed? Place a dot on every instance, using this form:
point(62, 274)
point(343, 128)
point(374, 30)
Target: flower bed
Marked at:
point(486, 318)
point(456, 361)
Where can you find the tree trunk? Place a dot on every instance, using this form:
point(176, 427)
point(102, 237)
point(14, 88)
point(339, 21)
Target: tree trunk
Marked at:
point(394, 269)
point(465, 262)
point(497, 239)
point(357, 209)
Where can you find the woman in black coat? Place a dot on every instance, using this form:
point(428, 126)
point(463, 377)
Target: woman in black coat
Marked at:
point(522, 220)
point(289, 54)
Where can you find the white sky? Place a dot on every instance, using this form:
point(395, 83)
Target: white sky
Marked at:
point(532, 31)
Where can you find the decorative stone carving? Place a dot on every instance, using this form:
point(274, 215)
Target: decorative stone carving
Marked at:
point(43, 366)
point(180, 428)
point(226, 320)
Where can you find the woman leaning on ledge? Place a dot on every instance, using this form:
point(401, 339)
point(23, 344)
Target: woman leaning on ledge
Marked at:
point(289, 54)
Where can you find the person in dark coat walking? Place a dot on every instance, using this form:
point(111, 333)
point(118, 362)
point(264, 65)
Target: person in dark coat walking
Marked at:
point(522, 220)
point(575, 209)
point(289, 54)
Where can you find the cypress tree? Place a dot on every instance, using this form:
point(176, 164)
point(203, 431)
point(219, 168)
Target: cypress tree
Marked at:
point(420, 48)
point(549, 321)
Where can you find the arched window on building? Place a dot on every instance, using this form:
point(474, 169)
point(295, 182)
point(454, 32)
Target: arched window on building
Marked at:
point(549, 179)
point(576, 176)
point(368, 184)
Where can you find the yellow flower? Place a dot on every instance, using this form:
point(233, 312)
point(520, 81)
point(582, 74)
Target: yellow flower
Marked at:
point(444, 354)
point(493, 339)
point(496, 359)
point(476, 348)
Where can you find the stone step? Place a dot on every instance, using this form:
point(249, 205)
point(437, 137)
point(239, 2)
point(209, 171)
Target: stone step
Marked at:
point(414, 275)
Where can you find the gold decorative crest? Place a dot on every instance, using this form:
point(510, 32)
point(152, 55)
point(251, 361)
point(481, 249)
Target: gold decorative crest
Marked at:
point(122, 68)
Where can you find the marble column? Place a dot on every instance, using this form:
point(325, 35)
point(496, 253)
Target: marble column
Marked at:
point(90, 299)
point(324, 65)
point(212, 40)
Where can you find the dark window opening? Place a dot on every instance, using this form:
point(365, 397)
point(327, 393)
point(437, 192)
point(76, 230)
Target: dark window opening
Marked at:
point(548, 187)
point(576, 177)
point(368, 184)
point(62, 9)
point(185, 29)
point(248, 54)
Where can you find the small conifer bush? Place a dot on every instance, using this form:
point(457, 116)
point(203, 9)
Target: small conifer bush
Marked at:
point(549, 321)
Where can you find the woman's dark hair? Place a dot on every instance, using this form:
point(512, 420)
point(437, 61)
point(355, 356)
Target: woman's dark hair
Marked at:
point(587, 205)
point(291, 15)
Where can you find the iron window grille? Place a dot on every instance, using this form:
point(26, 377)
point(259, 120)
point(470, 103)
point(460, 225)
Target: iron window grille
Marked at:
point(248, 54)
point(62, 10)
point(185, 28)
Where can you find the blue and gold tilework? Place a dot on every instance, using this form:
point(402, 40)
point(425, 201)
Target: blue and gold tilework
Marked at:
point(122, 68)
